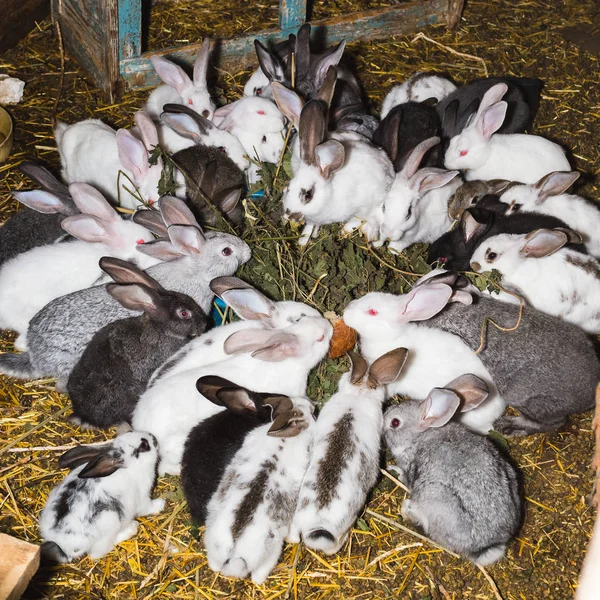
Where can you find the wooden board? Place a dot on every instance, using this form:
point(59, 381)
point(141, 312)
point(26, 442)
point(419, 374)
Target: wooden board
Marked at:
point(19, 561)
point(19, 18)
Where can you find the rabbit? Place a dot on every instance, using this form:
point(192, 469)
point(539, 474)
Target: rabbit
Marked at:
point(59, 333)
point(338, 179)
point(522, 96)
point(95, 506)
point(92, 152)
point(213, 443)
point(552, 278)
point(416, 206)
point(116, 365)
point(273, 66)
point(454, 249)
point(384, 321)
point(475, 192)
point(405, 127)
point(178, 88)
point(249, 515)
point(419, 87)
point(345, 452)
point(485, 154)
point(548, 196)
point(38, 222)
point(464, 492)
point(276, 347)
point(33, 279)
point(528, 365)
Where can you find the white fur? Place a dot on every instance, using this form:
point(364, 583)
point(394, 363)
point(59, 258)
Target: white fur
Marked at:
point(77, 534)
point(339, 516)
point(256, 551)
point(432, 86)
point(155, 410)
point(258, 82)
point(551, 284)
point(434, 357)
point(578, 213)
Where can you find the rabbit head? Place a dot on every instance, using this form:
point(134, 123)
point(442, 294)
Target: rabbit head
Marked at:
point(193, 93)
point(273, 67)
point(471, 192)
point(405, 422)
point(470, 148)
point(402, 210)
point(528, 197)
point(508, 252)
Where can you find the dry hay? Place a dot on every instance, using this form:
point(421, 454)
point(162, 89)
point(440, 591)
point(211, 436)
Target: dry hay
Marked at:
point(165, 560)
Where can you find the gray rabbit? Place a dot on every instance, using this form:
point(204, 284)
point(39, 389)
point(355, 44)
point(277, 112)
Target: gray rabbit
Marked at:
point(464, 492)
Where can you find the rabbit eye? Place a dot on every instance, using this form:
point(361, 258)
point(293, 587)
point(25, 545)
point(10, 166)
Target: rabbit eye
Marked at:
point(264, 140)
point(205, 114)
point(307, 195)
point(190, 101)
point(464, 152)
point(144, 446)
point(257, 91)
point(140, 241)
point(517, 207)
point(442, 259)
point(182, 313)
point(227, 251)
point(222, 149)
point(395, 423)
point(372, 312)
point(491, 256)
point(409, 212)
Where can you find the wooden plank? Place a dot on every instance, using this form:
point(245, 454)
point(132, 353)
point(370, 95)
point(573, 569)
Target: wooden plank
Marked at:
point(19, 560)
point(130, 28)
point(292, 13)
point(19, 18)
point(239, 53)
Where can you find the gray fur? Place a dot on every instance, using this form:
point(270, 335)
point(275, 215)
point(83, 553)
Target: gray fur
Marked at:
point(464, 493)
point(546, 368)
point(59, 333)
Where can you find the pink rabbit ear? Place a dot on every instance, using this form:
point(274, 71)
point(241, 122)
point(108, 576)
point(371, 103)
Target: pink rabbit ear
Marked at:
point(492, 96)
point(132, 155)
point(201, 64)
point(147, 129)
point(438, 408)
point(171, 74)
point(491, 119)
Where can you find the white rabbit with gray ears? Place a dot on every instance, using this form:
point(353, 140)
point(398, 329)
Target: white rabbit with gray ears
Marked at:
point(464, 492)
point(95, 507)
point(344, 462)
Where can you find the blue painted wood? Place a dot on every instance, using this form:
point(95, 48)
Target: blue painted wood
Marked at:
point(130, 28)
point(292, 13)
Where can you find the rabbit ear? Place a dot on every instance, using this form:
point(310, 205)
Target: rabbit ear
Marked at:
point(424, 302)
point(312, 129)
point(43, 177)
point(147, 129)
point(331, 59)
point(87, 228)
point(152, 220)
point(288, 424)
point(391, 130)
point(201, 64)
point(249, 304)
point(103, 466)
point(229, 200)
point(449, 118)
point(471, 389)
point(160, 249)
point(270, 65)
point(416, 156)
point(288, 102)
point(132, 155)
point(91, 202)
point(387, 368)
point(175, 211)
point(171, 74)
point(265, 345)
point(135, 297)
point(186, 125)
point(327, 88)
point(495, 186)
point(237, 399)
point(123, 271)
point(228, 115)
point(209, 386)
point(437, 409)
point(45, 202)
point(492, 96)
point(491, 119)
point(431, 178)
point(80, 455)
point(302, 52)
point(359, 367)
point(543, 242)
point(554, 184)
point(187, 239)
point(470, 226)
point(208, 180)
point(330, 157)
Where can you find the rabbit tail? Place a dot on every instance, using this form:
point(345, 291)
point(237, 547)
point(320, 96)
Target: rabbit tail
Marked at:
point(59, 130)
point(489, 555)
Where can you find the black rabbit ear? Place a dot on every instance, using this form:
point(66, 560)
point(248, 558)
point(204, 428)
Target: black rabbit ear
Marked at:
point(80, 455)
point(209, 386)
point(103, 466)
point(228, 200)
point(43, 177)
point(359, 367)
point(288, 424)
point(312, 129)
point(123, 271)
point(391, 129)
point(270, 64)
point(302, 52)
point(449, 118)
point(238, 400)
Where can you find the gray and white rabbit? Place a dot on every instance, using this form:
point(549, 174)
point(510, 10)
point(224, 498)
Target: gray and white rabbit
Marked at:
point(59, 333)
point(249, 515)
point(345, 453)
point(463, 492)
point(116, 365)
point(95, 506)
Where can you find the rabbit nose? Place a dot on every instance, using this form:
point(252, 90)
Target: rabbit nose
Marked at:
point(476, 266)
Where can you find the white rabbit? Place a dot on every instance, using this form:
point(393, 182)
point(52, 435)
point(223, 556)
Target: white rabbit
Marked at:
point(553, 279)
point(416, 205)
point(275, 348)
point(383, 322)
point(31, 280)
point(340, 179)
point(417, 88)
point(515, 156)
point(344, 457)
point(92, 152)
point(244, 538)
point(179, 88)
point(548, 197)
point(258, 82)
point(95, 507)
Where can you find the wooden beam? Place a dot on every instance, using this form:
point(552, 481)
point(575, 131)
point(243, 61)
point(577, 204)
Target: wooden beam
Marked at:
point(292, 13)
point(239, 53)
point(19, 18)
point(19, 560)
